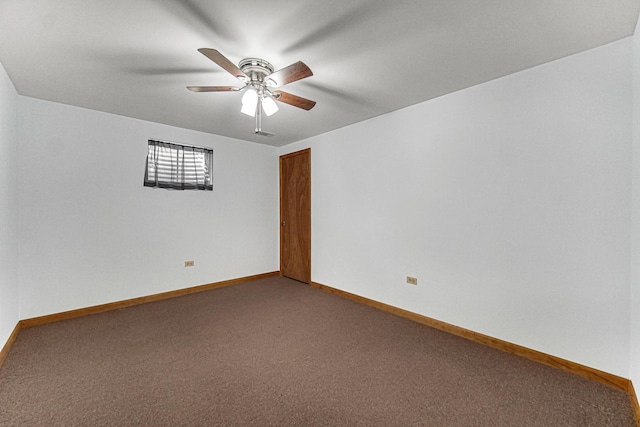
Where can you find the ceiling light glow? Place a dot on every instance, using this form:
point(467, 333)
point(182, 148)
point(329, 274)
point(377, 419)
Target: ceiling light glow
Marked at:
point(269, 106)
point(249, 102)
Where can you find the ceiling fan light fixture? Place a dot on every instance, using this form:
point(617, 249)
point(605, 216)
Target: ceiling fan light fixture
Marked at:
point(258, 76)
point(269, 106)
point(249, 102)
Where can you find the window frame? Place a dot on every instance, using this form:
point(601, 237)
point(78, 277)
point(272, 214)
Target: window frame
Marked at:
point(176, 166)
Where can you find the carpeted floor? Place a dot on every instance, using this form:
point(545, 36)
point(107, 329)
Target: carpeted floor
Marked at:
point(276, 352)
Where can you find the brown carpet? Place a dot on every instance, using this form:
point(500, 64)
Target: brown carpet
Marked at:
point(276, 352)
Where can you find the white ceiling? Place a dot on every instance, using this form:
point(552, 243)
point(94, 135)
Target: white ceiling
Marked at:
point(369, 57)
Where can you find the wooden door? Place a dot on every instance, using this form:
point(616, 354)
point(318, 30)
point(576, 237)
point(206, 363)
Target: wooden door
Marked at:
point(295, 215)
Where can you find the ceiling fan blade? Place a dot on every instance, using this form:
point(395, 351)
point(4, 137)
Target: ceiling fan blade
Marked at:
point(296, 101)
point(213, 88)
point(290, 74)
point(222, 61)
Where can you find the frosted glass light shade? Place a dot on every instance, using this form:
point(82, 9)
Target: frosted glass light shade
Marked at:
point(249, 102)
point(269, 106)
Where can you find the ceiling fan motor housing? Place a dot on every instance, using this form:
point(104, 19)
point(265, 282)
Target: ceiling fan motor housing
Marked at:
point(257, 69)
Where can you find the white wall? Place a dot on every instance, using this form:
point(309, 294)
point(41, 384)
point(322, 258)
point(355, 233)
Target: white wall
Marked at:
point(9, 290)
point(635, 235)
point(509, 201)
point(90, 233)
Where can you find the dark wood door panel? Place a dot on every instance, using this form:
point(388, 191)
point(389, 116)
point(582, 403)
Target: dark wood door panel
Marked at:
point(295, 215)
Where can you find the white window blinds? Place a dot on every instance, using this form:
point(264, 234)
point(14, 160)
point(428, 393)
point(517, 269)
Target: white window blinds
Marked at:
point(180, 167)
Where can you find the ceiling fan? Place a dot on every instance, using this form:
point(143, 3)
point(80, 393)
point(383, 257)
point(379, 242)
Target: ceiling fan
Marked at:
point(260, 85)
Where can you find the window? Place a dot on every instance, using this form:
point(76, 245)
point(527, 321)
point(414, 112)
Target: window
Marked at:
point(179, 167)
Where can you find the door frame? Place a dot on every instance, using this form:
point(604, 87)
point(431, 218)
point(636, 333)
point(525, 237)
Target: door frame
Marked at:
point(285, 156)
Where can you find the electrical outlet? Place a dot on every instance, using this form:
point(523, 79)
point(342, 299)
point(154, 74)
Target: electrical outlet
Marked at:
point(189, 263)
point(412, 280)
